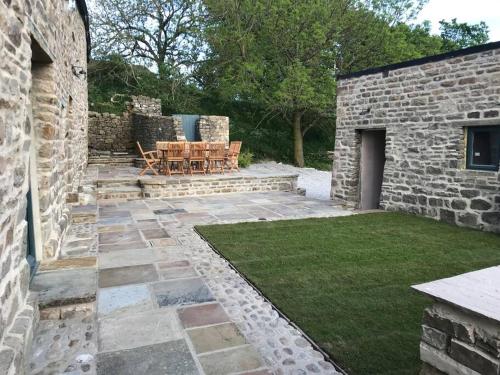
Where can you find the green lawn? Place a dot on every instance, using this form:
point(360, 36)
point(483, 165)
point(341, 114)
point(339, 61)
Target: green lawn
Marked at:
point(346, 281)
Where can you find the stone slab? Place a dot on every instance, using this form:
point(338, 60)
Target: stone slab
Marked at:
point(67, 286)
point(123, 246)
point(151, 234)
point(126, 299)
point(136, 330)
point(220, 336)
point(243, 358)
point(68, 263)
point(177, 273)
point(119, 237)
point(122, 258)
point(202, 315)
point(127, 275)
point(181, 292)
point(476, 291)
point(171, 357)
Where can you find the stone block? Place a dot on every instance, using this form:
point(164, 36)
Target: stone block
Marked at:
point(474, 358)
point(435, 337)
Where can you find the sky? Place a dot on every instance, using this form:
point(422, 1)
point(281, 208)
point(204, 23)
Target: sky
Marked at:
point(470, 11)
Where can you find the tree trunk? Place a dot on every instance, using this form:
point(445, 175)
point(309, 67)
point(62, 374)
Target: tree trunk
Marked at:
point(298, 148)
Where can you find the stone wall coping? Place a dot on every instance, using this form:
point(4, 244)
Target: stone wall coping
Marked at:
point(188, 179)
point(477, 292)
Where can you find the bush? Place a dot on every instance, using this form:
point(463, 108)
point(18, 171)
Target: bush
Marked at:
point(245, 159)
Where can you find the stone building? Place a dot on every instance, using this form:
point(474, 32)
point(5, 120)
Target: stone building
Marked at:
point(43, 149)
point(423, 137)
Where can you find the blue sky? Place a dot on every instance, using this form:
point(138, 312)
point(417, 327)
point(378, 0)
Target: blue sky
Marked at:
point(470, 11)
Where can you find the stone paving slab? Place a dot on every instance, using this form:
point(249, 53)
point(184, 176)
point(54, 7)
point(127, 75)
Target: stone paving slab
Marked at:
point(138, 329)
point(181, 292)
point(126, 299)
point(216, 337)
point(202, 315)
point(172, 357)
point(127, 275)
point(122, 258)
point(240, 359)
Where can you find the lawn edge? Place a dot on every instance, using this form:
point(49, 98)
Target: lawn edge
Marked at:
point(325, 355)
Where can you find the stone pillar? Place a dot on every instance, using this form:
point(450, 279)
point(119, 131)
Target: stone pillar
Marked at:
point(214, 128)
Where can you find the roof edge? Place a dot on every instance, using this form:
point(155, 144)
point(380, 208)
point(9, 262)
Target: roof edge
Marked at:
point(82, 9)
point(422, 60)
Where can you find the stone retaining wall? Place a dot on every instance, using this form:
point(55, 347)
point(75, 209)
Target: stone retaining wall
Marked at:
point(425, 110)
point(149, 129)
point(181, 187)
point(110, 132)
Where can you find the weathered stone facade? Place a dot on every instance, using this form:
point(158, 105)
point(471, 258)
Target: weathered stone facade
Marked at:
point(425, 107)
point(43, 149)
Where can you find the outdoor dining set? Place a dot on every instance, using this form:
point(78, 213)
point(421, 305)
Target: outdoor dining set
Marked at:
point(183, 157)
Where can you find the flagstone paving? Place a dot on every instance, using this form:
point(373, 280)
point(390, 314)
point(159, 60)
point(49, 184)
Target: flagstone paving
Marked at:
point(168, 304)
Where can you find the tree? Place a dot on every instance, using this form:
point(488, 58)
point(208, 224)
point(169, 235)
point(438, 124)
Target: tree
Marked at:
point(457, 35)
point(161, 33)
point(280, 54)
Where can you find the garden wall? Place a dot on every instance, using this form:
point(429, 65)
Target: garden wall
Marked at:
point(143, 122)
point(426, 107)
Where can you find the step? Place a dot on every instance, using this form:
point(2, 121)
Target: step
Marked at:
point(117, 183)
point(84, 214)
point(120, 193)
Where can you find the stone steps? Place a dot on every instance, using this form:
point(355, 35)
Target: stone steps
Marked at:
point(112, 160)
point(123, 192)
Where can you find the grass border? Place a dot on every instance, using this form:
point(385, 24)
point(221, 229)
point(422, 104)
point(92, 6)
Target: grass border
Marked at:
point(325, 355)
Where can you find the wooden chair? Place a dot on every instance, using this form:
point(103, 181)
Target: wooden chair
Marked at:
point(197, 157)
point(216, 157)
point(161, 150)
point(232, 156)
point(175, 157)
point(151, 160)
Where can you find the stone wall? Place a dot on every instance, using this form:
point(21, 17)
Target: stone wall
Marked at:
point(148, 129)
point(455, 341)
point(110, 132)
point(213, 128)
point(43, 147)
point(145, 105)
point(425, 109)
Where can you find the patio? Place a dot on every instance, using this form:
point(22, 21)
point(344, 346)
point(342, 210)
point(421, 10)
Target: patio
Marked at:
point(164, 300)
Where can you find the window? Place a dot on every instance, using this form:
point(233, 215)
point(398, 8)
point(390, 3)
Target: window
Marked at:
point(483, 147)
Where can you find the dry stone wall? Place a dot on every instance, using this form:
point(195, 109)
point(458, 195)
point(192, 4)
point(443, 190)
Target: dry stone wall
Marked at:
point(110, 132)
point(148, 129)
point(43, 145)
point(214, 128)
point(425, 110)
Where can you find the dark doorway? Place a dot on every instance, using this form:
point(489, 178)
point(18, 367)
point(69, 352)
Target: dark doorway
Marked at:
point(371, 168)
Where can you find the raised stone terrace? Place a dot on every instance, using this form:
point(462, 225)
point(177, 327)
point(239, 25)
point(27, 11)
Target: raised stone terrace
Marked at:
point(143, 293)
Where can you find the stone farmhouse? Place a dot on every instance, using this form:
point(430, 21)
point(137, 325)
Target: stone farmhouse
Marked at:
point(43, 148)
point(423, 136)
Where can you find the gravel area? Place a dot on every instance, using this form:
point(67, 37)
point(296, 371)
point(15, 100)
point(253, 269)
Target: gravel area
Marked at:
point(317, 183)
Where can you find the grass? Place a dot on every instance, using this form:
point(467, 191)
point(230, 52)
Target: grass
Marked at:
point(346, 281)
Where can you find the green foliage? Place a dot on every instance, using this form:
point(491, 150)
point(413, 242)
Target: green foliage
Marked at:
point(346, 281)
point(245, 159)
point(457, 35)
